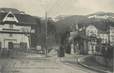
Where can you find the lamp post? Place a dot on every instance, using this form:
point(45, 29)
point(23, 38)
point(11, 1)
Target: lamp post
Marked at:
point(108, 32)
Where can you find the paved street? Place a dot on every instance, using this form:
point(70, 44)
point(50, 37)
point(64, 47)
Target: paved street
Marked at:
point(39, 64)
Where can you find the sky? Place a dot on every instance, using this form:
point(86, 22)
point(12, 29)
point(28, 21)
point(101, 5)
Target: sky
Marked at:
point(59, 7)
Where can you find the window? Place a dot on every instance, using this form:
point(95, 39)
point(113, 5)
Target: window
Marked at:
point(11, 26)
point(10, 15)
point(23, 45)
point(10, 45)
point(112, 38)
point(10, 35)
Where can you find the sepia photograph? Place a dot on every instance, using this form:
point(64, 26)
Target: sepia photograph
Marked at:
point(56, 36)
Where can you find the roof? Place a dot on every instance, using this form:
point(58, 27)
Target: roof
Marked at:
point(13, 10)
point(24, 19)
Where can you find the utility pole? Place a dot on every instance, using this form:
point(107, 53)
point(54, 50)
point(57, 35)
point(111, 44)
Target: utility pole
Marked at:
point(109, 34)
point(46, 51)
point(108, 30)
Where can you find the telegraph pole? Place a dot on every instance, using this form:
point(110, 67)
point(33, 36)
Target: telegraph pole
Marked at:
point(46, 51)
point(108, 30)
point(109, 33)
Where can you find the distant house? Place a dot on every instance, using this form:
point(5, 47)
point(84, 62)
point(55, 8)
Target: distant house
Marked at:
point(104, 31)
point(91, 33)
point(15, 29)
point(91, 30)
point(112, 35)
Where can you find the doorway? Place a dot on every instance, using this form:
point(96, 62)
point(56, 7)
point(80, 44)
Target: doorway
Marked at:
point(10, 45)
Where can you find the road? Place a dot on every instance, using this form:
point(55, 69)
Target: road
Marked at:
point(39, 64)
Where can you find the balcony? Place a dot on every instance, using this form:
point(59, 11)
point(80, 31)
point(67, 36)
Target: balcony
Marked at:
point(9, 30)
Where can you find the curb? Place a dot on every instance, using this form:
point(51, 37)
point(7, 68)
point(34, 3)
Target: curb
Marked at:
point(90, 67)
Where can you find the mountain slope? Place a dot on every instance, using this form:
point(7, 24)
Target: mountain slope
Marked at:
point(64, 23)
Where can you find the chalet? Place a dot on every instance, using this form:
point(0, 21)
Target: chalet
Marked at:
point(15, 29)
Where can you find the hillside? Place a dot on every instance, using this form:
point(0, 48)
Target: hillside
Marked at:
point(65, 22)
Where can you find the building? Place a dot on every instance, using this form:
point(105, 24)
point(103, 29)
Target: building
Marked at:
point(90, 36)
point(15, 29)
point(99, 30)
point(112, 35)
point(78, 39)
point(91, 33)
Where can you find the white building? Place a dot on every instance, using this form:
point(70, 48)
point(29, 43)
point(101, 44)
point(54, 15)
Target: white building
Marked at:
point(91, 30)
point(104, 37)
point(112, 35)
point(101, 32)
point(91, 33)
point(15, 30)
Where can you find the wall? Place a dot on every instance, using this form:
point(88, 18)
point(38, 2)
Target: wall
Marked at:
point(112, 35)
point(104, 37)
point(17, 27)
point(15, 38)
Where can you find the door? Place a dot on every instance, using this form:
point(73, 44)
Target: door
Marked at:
point(23, 45)
point(10, 45)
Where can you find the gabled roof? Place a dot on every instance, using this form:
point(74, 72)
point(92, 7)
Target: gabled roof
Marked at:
point(10, 17)
point(23, 19)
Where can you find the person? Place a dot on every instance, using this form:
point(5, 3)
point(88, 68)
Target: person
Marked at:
point(105, 54)
point(61, 51)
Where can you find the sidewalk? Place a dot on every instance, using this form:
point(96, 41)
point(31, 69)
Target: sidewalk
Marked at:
point(71, 60)
point(89, 62)
point(85, 61)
